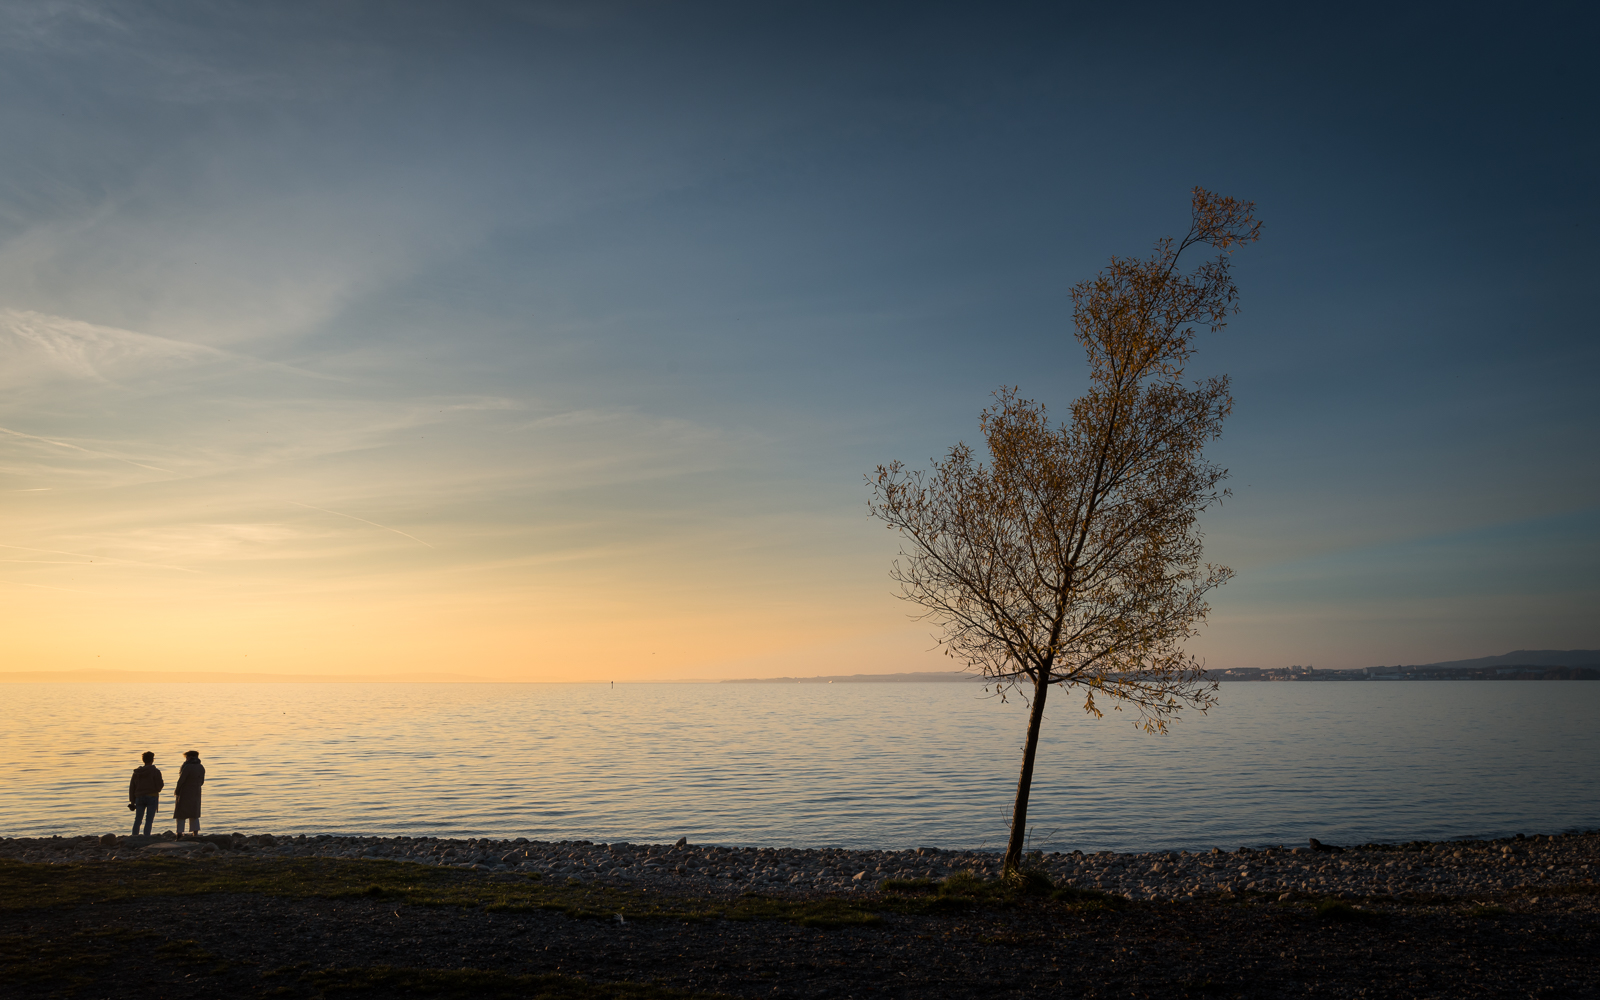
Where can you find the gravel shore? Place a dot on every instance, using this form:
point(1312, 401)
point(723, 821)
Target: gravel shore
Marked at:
point(1455, 868)
point(1517, 918)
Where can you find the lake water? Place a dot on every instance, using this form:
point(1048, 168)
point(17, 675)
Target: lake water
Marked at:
point(852, 765)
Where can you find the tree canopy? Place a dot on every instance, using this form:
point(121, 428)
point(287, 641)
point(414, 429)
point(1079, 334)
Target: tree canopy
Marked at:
point(1072, 557)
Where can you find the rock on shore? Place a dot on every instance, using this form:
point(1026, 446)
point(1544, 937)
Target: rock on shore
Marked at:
point(1449, 868)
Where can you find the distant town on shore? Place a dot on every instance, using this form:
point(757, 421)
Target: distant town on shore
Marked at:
point(1519, 665)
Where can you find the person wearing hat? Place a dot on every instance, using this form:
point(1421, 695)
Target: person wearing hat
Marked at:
point(144, 791)
point(190, 777)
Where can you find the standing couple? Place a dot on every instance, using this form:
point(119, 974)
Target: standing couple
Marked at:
point(145, 789)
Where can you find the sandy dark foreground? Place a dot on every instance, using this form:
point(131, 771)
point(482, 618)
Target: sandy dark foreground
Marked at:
point(226, 926)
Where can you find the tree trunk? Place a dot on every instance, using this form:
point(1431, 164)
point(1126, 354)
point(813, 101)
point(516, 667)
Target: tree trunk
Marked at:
point(1019, 814)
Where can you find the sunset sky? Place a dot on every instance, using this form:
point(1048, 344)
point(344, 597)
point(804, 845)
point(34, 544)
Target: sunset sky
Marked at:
point(552, 341)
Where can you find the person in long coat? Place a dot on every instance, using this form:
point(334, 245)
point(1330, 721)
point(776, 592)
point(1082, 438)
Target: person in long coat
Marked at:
point(190, 777)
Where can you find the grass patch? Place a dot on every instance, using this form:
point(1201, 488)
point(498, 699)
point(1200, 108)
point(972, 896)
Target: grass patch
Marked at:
point(388, 981)
point(1580, 889)
point(25, 886)
point(1089, 899)
point(1030, 882)
point(1338, 911)
point(1206, 985)
point(29, 961)
point(28, 886)
point(806, 913)
point(1487, 910)
point(75, 961)
point(189, 952)
point(909, 885)
point(78, 963)
point(964, 890)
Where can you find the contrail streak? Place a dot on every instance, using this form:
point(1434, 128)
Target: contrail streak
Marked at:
point(114, 559)
point(42, 586)
point(363, 520)
point(42, 562)
point(86, 451)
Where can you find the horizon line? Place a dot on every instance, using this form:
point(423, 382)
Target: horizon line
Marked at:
point(106, 676)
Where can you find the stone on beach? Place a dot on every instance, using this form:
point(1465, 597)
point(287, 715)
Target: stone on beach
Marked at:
point(180, 847)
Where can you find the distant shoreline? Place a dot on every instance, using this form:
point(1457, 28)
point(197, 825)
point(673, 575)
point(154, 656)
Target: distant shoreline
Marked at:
point(916, 677)
point(1517, 665)
point(1249, 675)
point(201, 677)
point(1233, 676)
point(1425, 673)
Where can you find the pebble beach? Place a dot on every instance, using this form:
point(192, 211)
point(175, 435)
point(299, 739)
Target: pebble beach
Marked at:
point(1456, 868)
point(320, 916)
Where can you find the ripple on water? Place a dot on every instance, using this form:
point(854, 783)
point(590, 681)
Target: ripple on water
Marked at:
point(881, 765)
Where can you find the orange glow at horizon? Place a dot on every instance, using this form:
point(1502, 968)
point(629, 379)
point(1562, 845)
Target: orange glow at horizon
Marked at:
point(524, 636)
point(235, 517)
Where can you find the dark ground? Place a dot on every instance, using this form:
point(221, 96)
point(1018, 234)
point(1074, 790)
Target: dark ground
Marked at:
point(58, 940)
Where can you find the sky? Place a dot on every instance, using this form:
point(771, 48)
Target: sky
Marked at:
point(553, 341)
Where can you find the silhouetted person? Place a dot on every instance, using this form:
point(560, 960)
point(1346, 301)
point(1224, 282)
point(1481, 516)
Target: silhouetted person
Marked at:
point(143, 792)
point(190, 777)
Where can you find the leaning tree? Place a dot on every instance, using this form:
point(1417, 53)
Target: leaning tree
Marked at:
point(1073, 556)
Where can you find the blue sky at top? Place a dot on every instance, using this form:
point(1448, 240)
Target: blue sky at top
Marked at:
point(608, 307)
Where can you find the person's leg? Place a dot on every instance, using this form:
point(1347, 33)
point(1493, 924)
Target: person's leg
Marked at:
point(144, 808)
point(138, 814)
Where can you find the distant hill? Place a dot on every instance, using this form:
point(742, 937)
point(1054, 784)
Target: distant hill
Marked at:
point(1529, 658)
point(1518, 665)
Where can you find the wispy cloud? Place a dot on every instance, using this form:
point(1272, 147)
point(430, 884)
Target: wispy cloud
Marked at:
point(84, 557)
point(69, 446)
point(207, 437)
point(39, 586)
point(363, 520)
point(36, 346)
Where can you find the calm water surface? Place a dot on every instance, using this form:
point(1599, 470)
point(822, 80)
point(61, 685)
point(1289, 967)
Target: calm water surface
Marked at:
point(857, 765)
